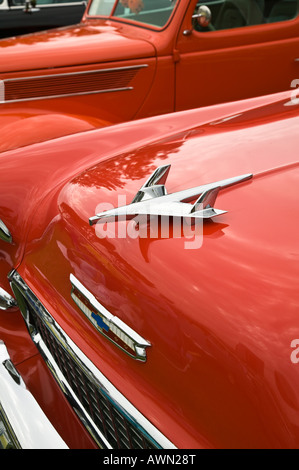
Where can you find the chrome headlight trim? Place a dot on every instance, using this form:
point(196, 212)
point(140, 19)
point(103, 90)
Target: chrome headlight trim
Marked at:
point(6, 300)
point(21, 291)
point(5, 234)
point(24, 425)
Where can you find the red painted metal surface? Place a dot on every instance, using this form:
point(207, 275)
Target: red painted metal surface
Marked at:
point(221, 316)
point(184, 69)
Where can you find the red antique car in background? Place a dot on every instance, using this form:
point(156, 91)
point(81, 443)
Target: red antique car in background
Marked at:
point(132, 59)
point(116, 340)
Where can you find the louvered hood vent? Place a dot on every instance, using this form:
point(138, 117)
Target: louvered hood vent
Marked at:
point(69, 84)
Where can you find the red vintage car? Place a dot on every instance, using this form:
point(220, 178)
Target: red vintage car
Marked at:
point(130, 59)
point(149, 283)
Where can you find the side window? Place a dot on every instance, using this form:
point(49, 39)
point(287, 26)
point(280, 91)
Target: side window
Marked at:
point(13, 3)
point(214, 15)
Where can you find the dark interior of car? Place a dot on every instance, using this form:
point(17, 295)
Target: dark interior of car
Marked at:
point(227, 14)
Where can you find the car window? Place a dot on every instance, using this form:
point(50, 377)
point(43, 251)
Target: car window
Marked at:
point(226, 14)
point(148, 12)
point(101, 7)
point(16, 2)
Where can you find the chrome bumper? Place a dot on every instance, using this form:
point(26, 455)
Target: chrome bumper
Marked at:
point(23, 425)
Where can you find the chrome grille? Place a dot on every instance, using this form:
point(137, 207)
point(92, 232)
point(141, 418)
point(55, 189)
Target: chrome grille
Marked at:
point(116, 428)
point(108, 416)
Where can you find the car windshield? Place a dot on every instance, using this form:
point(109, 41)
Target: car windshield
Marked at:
point(148, 12)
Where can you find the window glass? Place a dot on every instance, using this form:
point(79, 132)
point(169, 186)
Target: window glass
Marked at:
point(148, 12)
point(227, 14)
point(101, 7)
point(14, 3)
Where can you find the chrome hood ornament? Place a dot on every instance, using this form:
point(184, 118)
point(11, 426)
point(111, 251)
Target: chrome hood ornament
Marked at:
point(109, 325)
point(152, 199)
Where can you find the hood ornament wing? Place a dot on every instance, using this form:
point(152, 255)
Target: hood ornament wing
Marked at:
point(152, 199)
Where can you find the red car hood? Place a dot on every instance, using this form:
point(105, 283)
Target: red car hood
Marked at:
point(74, 45)
point(220, 314)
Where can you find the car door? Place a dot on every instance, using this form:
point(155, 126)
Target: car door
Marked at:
point(250, 48)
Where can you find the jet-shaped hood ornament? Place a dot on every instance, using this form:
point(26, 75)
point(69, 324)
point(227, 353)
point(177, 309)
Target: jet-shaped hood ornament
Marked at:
point(152, 199)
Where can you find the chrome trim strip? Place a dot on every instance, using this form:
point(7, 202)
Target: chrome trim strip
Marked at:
point(110, 391)
point(84, 72)
point(5, 234)
point(6, 300)
point(111, 90)
point(110, 326)
point(22, 415)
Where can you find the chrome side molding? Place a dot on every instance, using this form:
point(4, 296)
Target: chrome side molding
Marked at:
point(5, 233)
point(6, 300)
point(23, 423)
